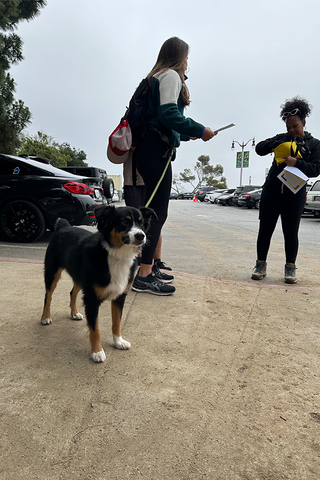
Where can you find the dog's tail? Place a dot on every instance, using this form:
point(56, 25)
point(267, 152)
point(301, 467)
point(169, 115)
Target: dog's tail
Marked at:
point(61, 223)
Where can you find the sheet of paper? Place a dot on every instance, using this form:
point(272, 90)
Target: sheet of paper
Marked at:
point(296, 171)
point(293, 178)
point(224, 128)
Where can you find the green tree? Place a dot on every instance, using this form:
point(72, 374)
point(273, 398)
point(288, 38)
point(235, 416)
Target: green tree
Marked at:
point(14, 115)
point(206, 174)
point(77, 157)
point(42, 145)
point(60, 155)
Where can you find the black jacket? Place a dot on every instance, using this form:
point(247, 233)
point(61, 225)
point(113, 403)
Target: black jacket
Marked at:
point(309, 148)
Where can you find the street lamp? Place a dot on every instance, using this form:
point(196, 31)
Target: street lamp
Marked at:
point(242, 145)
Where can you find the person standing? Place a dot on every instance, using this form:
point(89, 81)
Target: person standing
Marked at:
point(135, 196)
point(168, 95)
point(303, 152)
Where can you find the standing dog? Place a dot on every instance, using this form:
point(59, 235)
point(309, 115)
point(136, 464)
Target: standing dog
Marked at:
point(101, 264)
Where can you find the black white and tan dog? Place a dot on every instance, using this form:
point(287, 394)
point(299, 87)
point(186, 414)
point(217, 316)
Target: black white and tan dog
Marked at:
point(101, 264)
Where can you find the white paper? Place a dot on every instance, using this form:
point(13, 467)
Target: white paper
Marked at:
point(293, 178)
point(224, 128)
point(296, 171)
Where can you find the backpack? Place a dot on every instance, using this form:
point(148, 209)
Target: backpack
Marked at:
point(136, 113)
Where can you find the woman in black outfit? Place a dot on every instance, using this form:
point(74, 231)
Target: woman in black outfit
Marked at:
point(168, 95)
point(276, 198)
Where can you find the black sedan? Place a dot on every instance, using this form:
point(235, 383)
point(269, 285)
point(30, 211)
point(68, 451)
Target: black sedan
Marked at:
point(33, 194)
point(185, 195)
point(250, 199)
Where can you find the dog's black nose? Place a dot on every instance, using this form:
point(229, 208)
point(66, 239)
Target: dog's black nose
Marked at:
point(139, 236)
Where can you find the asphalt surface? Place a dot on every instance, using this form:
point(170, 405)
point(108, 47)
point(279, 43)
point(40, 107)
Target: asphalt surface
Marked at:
point(221, 381)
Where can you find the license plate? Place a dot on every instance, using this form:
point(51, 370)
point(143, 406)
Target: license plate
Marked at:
point(316, 198)
point(97, 193)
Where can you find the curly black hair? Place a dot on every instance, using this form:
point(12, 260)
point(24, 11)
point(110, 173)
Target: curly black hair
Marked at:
point(304, 107)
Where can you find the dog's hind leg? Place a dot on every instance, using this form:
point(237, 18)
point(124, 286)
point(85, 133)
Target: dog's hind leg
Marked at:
point(51, 283)
point(75, 314)
point(116, 312)
point(92, 309)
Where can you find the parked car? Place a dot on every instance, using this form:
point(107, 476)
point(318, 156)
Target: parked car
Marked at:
point(227, 197)
point(313, 200)
point(212, 196)
point(244, 189)
point(201, 193)
point(174, 195)
point(250, 199)
point(185, 195)
point(98, 175)
point(33, 194)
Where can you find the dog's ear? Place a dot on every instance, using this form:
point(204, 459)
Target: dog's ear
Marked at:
point(148, 213)
point(103, 215)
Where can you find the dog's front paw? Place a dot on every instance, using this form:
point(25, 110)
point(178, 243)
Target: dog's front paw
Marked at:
point(98, 357)
point(46, 321)
point(120, 343)
point(77, 316)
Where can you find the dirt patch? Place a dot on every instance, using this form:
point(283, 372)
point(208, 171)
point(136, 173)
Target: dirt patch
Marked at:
point(221, 382)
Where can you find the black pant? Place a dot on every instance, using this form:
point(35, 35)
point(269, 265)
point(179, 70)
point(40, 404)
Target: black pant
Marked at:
point(151, 157)
point(289, 206)
point(134, 195)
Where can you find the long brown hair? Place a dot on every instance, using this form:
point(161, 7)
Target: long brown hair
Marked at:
point(171, 56)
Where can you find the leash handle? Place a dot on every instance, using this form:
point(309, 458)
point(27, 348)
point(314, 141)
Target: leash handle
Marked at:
point(161, 178)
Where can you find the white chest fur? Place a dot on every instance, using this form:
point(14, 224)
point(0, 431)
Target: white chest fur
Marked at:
point(119, 262)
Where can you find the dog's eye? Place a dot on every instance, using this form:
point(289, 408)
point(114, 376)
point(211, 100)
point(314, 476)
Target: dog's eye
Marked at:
point(125, 222)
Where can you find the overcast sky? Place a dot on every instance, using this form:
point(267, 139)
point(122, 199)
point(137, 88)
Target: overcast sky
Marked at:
point(83, 61)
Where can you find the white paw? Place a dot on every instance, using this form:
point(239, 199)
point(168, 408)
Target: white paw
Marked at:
point(46, 321)
point(98, 357)
point(120, 343)
point(77, 316)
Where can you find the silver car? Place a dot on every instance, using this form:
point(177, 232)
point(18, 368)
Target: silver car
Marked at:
point(313, 199)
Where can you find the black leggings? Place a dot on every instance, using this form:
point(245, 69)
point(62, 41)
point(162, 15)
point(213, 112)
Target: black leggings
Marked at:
point(280, 202)
point(151, 157)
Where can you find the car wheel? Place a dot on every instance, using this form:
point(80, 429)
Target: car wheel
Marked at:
point(230, 202)
point(22, 221)
point(316, 213)
point(108, 187)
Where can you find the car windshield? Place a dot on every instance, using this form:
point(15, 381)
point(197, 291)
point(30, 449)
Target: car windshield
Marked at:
point(316, 186)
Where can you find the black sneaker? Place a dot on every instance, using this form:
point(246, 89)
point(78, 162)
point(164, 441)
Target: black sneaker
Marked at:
point(161, 275)
point(151, 284)
point(161, 265)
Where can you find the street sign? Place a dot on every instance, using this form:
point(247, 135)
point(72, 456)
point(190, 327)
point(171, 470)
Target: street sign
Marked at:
point(245, 159)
